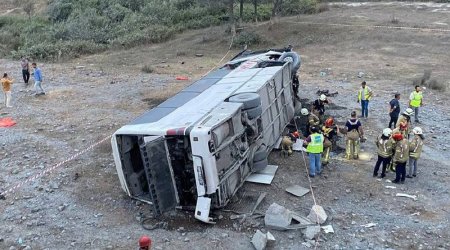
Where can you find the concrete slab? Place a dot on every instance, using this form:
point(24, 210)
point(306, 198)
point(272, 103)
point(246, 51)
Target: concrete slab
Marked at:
point(297, 190)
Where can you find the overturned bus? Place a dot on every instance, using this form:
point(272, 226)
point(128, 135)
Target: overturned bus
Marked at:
point(197, 148)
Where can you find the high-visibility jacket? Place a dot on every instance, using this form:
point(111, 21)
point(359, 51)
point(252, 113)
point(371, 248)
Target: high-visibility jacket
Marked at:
point(367, 93)
point(385, 147)
point(316, 144)
point(416, 99)
point(401, 151)
point(415, 147)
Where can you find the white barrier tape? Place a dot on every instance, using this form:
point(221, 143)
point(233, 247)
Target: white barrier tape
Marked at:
point(373, 26)
point(51, 169)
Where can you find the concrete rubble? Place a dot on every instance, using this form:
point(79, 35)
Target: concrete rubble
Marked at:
point(259, 240)
point(312, 232)
point(279, 218)
point(317, 214)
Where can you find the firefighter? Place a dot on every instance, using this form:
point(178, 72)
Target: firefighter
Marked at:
point(385, 147)
point(313, 120)
point(355, 135)
point(329, 131)
point(145, 243)
point(288, 141)
point(318, 106)
point(303, 122)
point(405, 121)
point(401, 156)
point(415, 149)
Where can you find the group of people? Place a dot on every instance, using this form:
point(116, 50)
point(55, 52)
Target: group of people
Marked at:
point(395, 145)
point(7, 81)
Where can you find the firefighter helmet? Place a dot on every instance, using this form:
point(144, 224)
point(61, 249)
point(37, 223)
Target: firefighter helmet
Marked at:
point(397, 137)
point(417, 131)
point(387, 132)
point(408, 112)
point(329, 122)
point(304, 111)
point(145, 241)
point(323, 97)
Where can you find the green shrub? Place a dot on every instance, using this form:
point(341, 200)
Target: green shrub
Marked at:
point(147, 69)
point(295, 7)
point(247, 38)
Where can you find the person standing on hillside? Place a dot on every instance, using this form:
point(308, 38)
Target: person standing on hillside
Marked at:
point(37, 80)
point(314, 147)
point(385, 147)
point(415, 149)
point(6, 84)
point(416, 101)
point(394, 110)
point(401, 156)
point(25, 70)
point(364, 96)
point(355, 135)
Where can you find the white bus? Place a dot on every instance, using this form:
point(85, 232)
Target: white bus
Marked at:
point(197, 148)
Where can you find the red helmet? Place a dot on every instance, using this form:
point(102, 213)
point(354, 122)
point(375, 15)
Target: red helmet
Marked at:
point(296, 134)
point(329, 122)
point(397, 137)
point(145, 241)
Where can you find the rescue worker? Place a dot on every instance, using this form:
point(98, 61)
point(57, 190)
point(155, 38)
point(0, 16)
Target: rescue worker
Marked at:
point(405, 121)
point(415, 101)
point(145, 243)
point(385, 147)
point(415, 149)
point(401, 156)
point(355, 135)
point(303, 122)
point(314, 147)
point(364, 96)
point(313, 120)
point(289, 140)
point(318, 106)
point(329, 131)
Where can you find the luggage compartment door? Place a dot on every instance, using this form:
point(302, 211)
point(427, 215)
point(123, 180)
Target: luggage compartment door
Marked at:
point(159, 173)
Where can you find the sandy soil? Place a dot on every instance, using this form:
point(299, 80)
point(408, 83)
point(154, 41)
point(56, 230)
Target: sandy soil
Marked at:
point(81, 205)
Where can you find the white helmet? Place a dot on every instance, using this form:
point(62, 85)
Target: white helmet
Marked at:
point(387, 132)
point(417, 131)
point(304, 111)
point(323, 97)
point(408, 111)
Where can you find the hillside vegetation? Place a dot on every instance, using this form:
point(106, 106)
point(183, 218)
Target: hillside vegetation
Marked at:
point(69, 28)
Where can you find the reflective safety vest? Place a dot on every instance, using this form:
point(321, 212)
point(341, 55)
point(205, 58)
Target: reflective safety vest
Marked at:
point(366, 94)
point(416, 100)
point(316, 144)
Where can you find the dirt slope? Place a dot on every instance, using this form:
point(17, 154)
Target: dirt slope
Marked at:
point(82, 206)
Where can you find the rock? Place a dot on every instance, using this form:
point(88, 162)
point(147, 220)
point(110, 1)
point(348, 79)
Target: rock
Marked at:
point(259, 240)
point(361, 74)
point(220, 217)
point(224, 235)
point(317, 214)
point(27, 248)
point(199, 55)
point(12, 248)
point(277, 216)
point(270, 237)
point(311, 232)
point(186, 239)
point(180, 229)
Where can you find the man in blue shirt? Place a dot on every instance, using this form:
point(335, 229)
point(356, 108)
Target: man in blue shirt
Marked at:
point(37, 80)
point(394, 110)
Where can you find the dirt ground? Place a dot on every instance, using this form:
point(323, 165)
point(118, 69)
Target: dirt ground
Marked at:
point(80, 205)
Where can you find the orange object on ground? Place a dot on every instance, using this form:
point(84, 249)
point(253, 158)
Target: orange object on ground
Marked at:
point(181, 78)
point(7, 122)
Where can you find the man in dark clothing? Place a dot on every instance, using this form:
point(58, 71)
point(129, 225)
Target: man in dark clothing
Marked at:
point(355, 135)
point(394, 110)
point(25, 70)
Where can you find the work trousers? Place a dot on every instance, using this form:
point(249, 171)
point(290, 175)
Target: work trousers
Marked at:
point(352, 149)
point(393, 121)
point(400, 171)
point(412, 166)
point(8, 99)
point(416, 113)
point(326, 155)
point(314, 164)
point(26, 75)
point(385, 162)
point(364, 108)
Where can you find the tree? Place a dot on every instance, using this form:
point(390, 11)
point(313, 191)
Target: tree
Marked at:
point(28, 7)
point(231, 15)
point(241, 10)
point(276, 10)
point(255, 4)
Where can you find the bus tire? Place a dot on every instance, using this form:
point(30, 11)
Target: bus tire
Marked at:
point(260, 165)
point(254, 112)
point(250, 100)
